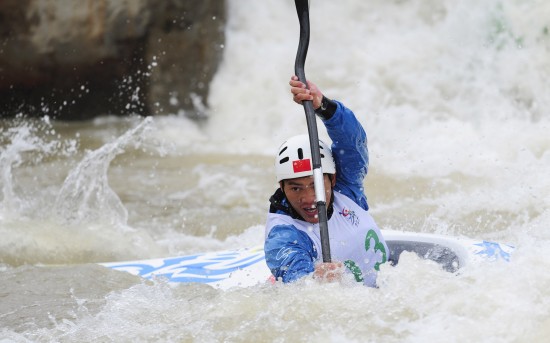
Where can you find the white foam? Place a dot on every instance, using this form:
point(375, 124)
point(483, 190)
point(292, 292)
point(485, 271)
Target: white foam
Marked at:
point(454, 98)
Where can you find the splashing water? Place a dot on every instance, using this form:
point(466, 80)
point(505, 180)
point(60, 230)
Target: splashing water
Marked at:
point(454, 97)
point(86, 196)
point(27, 142)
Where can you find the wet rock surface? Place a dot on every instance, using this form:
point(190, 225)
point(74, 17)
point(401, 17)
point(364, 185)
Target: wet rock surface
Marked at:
point(74, 60)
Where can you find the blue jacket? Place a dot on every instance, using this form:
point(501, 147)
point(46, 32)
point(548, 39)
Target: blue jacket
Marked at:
point(349, 149)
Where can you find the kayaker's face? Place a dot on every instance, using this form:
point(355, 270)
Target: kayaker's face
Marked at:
point(300, 192)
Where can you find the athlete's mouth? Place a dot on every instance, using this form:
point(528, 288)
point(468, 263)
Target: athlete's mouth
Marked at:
point(310, 210)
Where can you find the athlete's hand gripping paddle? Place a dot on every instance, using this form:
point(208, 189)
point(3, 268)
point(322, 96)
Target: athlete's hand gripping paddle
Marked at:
point(303, 15)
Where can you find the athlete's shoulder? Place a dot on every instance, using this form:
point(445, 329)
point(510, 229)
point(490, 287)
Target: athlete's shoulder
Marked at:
point(284, 232)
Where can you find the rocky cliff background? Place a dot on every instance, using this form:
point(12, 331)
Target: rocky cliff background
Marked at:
point(76, 59)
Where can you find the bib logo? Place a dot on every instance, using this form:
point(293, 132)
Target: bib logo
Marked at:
point(350, 215)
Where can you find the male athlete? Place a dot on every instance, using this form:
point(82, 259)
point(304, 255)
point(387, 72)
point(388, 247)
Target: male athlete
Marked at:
point(293, 245)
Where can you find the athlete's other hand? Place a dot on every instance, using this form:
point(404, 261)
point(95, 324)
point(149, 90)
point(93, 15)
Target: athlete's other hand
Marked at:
point(329, 271)
point(300, 92)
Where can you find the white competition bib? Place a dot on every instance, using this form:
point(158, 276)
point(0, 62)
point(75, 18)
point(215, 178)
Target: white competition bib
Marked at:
point(355, 239)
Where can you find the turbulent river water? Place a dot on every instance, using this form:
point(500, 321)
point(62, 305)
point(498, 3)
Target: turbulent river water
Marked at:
point(455, 100)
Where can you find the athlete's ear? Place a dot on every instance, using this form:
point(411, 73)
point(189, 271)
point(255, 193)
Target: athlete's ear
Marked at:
point(281, 185)
point(332, 178)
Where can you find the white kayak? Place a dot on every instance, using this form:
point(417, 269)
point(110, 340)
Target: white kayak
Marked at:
point(246, 267)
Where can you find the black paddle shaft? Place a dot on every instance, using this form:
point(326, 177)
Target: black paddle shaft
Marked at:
point(302, 9)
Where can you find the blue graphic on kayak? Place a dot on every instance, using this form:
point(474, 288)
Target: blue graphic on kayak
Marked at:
point(492, 250)
point(203, 268)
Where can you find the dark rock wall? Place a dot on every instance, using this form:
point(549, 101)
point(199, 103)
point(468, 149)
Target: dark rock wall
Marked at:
point(76, 59)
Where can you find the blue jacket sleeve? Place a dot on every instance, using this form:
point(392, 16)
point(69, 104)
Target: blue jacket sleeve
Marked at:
point(289, 253)
point(351, 156)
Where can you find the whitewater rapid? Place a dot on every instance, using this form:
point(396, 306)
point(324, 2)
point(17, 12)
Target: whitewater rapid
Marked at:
point(454, 97)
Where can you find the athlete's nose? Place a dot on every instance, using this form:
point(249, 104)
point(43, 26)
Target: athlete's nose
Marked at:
point(308, 196)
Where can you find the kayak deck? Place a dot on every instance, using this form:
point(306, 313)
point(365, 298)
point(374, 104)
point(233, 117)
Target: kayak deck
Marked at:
point(246, 267)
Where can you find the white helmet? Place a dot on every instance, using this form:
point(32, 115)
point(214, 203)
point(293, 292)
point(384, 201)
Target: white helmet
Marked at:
point(294, 159)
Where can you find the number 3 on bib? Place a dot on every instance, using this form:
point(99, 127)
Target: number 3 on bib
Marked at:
point(378, 246)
